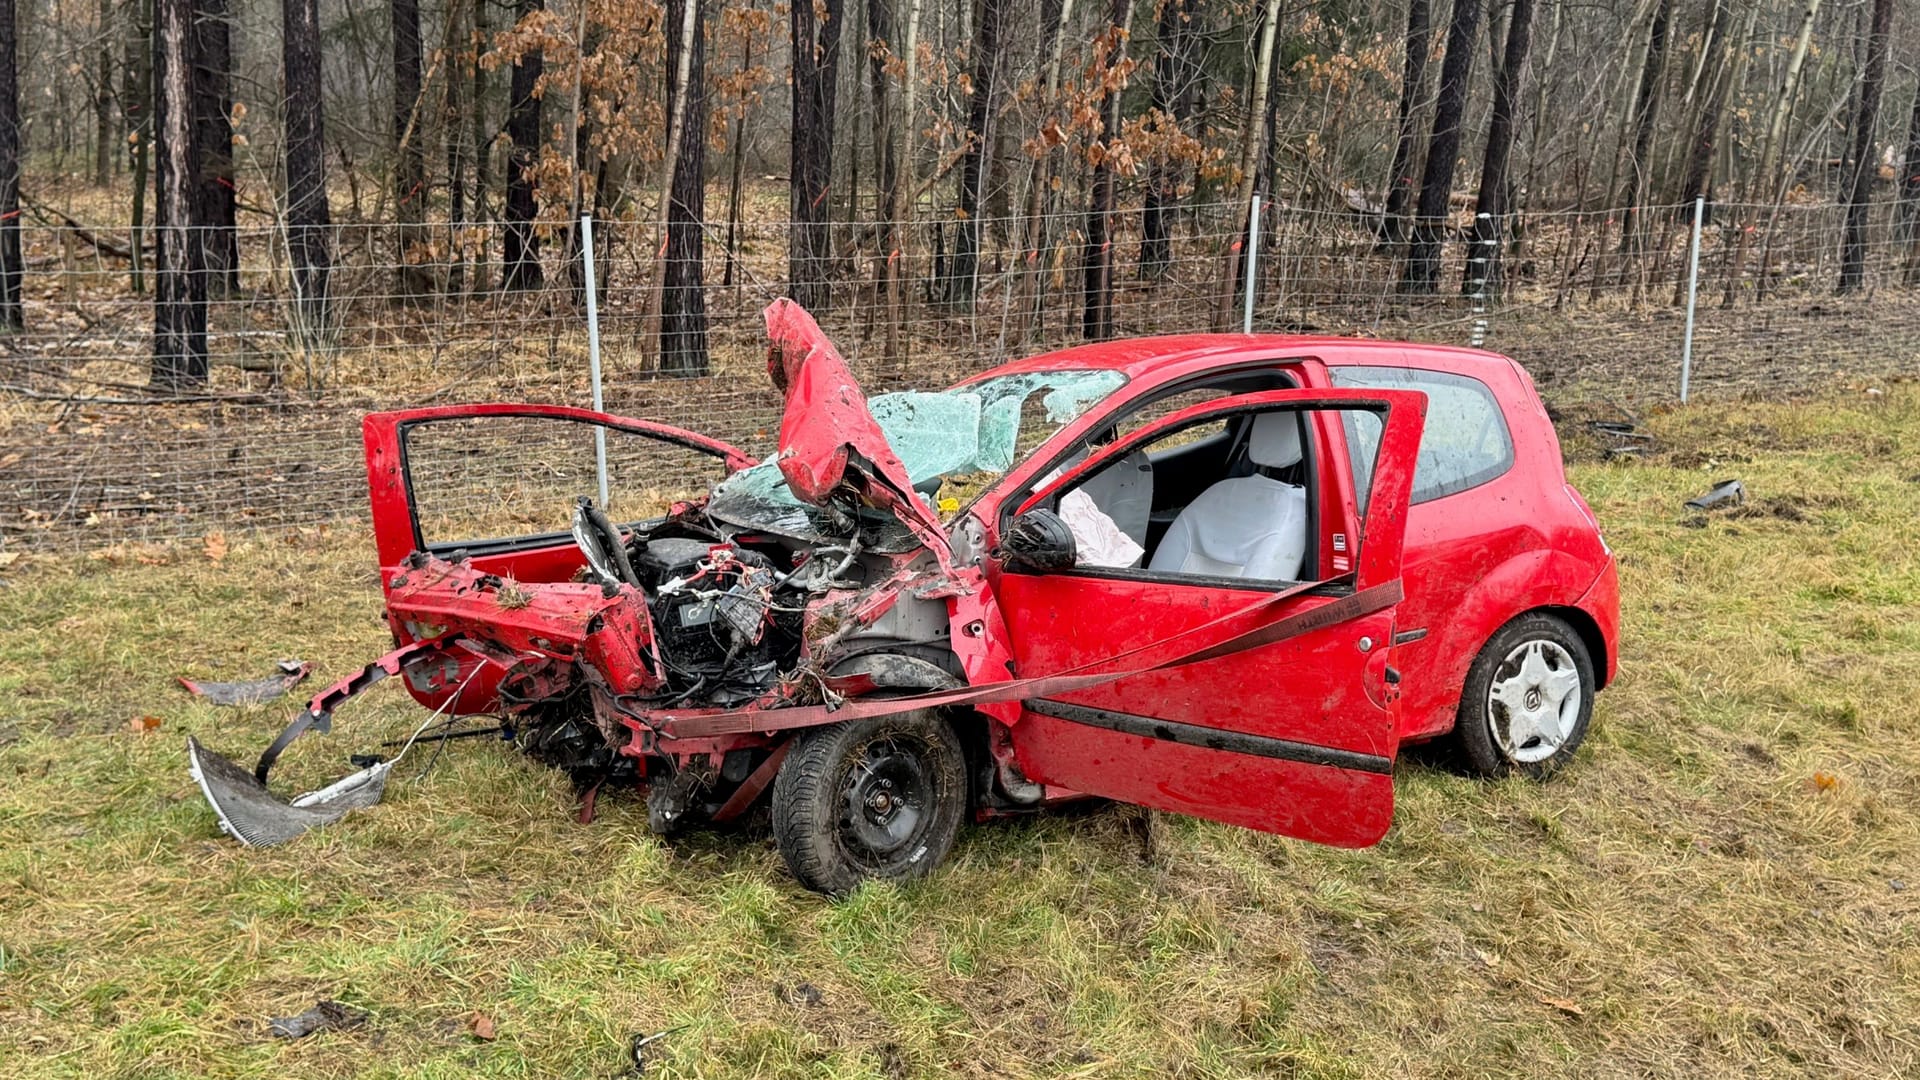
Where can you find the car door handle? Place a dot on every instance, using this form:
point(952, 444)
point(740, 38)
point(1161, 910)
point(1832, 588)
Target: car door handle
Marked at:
point(1393, 675)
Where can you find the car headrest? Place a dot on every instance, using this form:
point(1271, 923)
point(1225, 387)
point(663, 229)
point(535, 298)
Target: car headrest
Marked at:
point(1275, 440)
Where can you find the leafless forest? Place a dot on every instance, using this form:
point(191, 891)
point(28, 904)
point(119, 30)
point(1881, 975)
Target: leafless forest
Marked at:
point(227, 226)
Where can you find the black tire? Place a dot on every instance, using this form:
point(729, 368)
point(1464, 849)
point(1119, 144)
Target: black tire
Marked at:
point(870, 800)
point(1484, 731)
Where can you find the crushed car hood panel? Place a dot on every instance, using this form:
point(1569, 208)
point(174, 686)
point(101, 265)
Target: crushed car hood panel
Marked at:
point(829, 440)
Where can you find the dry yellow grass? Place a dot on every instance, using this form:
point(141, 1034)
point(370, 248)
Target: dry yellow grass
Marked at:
point(1727, 883)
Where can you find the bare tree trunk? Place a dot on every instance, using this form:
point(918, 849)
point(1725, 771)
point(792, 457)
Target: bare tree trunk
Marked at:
point(1760, 181)
point(963, 267)
point(413, 280)
point(1646, 111)
point(1413, 87)
point(213, 194)
point(480, 137)
point(1097, 320)
point(1908, 229)
point(899, 197)
point(520, 250)
point(880, 49)
point(308, 219)
point(1853, 246)
point(683, 302)
point(739, 154)
point(136, 105)
point(1713, 107)
point(1422, 273)
point(103, 99)
point(1251, 142)
point(180, 298)
point(1490, 209)
point(1053, 15)
point(451, 111)
point(12, 318)
point(816, 66)
point(1176, 80)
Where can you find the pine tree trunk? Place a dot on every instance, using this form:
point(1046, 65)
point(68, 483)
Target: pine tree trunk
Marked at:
point(1097, 258)
point(881, 47)
point(683, 302)
point(136, 96)
point(899, 198)
point(12, 318)
point(1413, 88)
point(1036, 241)
point(414, 278)
point(1422, 274)
point(213, 194)
point(1853, 246)
point(738, 153)
point(520, 250)
point(309, 221)
point(1176, 80)
point(816, 66)
point(180, 298)
point(963, 268)
point(1490, 209)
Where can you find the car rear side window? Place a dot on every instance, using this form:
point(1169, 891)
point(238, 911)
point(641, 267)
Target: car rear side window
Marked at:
point(1465, 444)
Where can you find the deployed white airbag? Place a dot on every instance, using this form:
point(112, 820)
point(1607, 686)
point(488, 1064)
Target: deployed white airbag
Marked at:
point(1249, 526)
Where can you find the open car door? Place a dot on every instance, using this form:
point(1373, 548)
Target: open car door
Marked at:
point(498, 481)
point(1263, 703)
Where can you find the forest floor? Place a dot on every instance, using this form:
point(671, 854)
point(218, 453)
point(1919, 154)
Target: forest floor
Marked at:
point(1725, 883)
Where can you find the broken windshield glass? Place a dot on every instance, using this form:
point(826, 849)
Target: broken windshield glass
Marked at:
point(969, 433)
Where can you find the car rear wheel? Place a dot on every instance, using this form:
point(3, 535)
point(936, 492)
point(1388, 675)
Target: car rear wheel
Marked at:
point(876, 799)
point(1528, 699)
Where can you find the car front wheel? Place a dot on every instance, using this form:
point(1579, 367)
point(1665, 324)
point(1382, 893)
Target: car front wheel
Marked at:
point(1528, 699)
point(875, 799)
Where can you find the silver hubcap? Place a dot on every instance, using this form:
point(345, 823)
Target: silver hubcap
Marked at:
point(1534, 701)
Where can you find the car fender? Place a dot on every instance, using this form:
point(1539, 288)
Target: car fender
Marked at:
point(1540, 578)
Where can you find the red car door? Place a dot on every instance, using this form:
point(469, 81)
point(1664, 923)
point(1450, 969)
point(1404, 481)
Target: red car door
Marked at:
point(1265, 704)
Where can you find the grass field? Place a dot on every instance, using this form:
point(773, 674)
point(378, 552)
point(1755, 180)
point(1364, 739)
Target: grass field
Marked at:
point(1727, 883)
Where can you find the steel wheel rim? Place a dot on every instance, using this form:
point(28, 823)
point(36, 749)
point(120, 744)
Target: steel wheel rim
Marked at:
point(1534, 701)
point(886, 802)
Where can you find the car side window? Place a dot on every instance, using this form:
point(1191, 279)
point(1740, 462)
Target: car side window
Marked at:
point(1465, 443)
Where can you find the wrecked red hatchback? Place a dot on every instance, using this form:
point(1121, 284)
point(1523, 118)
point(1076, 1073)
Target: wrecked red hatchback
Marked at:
point(1221, 575)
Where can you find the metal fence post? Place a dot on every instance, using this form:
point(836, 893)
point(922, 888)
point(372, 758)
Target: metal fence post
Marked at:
point(1253, 261)
point(593, 353)
point(1693, 294)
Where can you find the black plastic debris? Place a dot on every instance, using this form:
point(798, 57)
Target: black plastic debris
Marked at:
point(637, 1045)
point(324, 1016)
point(1724, 493)
point(252, 691)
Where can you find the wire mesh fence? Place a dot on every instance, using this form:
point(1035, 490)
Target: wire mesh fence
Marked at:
point(1593, 303)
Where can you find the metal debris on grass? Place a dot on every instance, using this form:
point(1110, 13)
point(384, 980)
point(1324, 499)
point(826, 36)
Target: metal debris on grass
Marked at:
point(1724, 493)
point(251, 691)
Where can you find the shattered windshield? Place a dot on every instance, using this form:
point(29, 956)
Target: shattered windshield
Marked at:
point(953, 443)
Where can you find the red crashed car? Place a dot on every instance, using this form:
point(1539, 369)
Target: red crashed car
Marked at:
point(1228, 576)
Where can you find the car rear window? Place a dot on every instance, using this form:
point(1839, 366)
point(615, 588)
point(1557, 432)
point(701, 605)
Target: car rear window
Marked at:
point(1465, 443)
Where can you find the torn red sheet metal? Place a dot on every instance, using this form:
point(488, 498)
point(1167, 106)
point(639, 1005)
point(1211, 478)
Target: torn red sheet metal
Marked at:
point(251, 691)
point(702, 723)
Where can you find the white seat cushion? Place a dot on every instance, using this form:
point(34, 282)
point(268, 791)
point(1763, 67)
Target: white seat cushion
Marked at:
point(1249, 526)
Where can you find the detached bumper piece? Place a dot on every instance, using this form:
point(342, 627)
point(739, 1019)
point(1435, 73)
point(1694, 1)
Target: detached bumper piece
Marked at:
point(256, 817)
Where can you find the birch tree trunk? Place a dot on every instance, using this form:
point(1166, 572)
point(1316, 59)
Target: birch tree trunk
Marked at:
point(1251, 142)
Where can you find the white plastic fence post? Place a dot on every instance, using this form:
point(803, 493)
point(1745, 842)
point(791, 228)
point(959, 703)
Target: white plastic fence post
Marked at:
point(1480, 260)
point(1253, 261)
point(1693, 293)
point(593, 352)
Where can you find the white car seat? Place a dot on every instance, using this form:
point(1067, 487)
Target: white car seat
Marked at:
point(1245, 526)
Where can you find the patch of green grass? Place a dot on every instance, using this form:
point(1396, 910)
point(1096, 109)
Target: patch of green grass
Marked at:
point(1709, 891)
